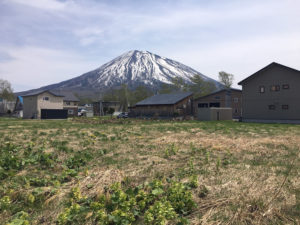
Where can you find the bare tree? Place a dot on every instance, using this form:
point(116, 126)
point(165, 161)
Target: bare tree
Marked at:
point(6, 91)
point(226, 79)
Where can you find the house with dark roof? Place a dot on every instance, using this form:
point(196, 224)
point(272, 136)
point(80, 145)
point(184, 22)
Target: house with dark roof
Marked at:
point(70, 102)
point(272, 94)
point(40, 102)
point(225, 98)
point(164, 105)
point(36, 102)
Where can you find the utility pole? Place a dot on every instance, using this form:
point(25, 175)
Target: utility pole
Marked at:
point(101, 111)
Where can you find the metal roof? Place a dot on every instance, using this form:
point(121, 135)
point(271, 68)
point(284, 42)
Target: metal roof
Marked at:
point(40, 92)
point(219, 91)
point(264, 69)
point(67, 96)
point(164, 99)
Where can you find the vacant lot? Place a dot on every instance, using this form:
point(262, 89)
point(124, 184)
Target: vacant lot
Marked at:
point(66, 172)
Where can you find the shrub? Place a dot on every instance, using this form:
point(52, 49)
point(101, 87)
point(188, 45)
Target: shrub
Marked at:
point(160, 213)
point(21, 218)
point(155, 203)
point(180, 198)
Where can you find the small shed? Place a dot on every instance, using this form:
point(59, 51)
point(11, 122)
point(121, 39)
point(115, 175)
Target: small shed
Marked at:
point(214, 113)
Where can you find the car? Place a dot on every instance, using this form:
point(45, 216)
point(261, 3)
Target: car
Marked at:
point(122, 115)
point(81, 112)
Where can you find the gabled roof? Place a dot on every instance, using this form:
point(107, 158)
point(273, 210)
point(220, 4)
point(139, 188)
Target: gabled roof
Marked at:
point(219, 91)
point(264, 69)
point(40, 92)
point(68, 96)
point(164, 99)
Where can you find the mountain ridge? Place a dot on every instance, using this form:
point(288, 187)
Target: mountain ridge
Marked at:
point(133, 68)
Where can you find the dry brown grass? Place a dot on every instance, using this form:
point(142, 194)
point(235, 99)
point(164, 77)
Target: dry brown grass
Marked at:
point(256, 181)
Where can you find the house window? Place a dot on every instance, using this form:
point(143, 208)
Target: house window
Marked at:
point(261, 89)
point(203, 105)
point(71, 111)
point(214, 104)
point(236, 100)
point(285, 107)
point(272, 107)
point(217, 97)
point(46, 98)
point(68, 103)
point(275, 88)
point(285, 86)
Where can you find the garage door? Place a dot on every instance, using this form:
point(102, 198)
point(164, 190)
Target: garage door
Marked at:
point(54, 114)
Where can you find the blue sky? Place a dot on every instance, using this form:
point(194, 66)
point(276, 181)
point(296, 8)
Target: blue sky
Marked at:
point(47, 41)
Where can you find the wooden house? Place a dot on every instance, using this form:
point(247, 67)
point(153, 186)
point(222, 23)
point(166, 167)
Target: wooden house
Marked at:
point(272, 94)
point(164, 105)
point(225, 98)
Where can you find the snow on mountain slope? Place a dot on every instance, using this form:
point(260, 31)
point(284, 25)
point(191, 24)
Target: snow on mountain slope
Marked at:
point(143, 67)
point(133, 68)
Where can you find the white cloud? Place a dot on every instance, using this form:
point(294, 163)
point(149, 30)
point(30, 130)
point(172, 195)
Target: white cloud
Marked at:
point(88, 35)
point(34, 67)
point(236, 36)
point(242, 57)
point(42, 4)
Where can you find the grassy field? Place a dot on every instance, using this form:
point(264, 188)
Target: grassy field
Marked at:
point(92, 171)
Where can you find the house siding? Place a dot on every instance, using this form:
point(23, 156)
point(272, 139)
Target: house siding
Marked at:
point(225, 98)
point(183, 107)
point(256, 105)
point(30, 107)
point(33, 104)
point(72, 106)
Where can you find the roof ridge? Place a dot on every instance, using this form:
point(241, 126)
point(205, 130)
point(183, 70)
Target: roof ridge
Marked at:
point(265, 68)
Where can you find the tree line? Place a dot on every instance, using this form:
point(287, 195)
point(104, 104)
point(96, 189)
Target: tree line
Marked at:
point(197, 85)
point(128, 97)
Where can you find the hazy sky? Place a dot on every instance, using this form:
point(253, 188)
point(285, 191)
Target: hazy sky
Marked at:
point(47, 41)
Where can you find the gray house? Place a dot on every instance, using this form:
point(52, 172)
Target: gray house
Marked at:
point(272, 95)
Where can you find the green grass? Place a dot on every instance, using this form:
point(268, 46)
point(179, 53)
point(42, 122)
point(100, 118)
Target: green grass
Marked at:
point(241, 166)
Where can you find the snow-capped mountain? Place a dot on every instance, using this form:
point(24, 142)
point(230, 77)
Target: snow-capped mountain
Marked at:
point(133, 68)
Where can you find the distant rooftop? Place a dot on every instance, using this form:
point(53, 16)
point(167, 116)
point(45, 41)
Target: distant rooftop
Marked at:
point(219, 91)
point(40, 92)
point(164, 99)
point(67, 96)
